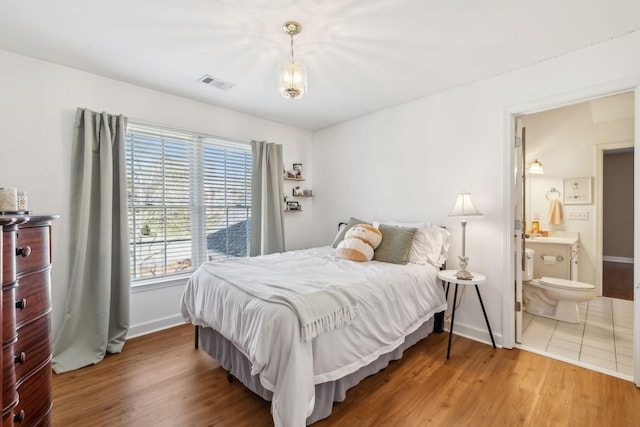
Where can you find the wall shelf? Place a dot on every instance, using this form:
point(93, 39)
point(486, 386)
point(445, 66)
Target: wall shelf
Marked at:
point(294, 177)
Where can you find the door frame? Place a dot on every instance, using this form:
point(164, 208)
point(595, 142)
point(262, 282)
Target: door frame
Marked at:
point(600, 149)
point(510, 115)
point(519, 227)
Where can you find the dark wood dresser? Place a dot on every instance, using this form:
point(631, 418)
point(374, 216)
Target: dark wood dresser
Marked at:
point(26, 322)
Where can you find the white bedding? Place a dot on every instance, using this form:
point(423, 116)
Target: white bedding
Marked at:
point(320, 304)
point(392, 301)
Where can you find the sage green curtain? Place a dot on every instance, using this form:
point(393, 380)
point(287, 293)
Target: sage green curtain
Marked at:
point(267, 199)
point(97, 309)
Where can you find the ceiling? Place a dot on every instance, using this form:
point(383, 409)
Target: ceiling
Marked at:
point(362, 55)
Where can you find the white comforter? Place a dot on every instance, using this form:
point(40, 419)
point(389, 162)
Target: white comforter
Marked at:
point(392, 301)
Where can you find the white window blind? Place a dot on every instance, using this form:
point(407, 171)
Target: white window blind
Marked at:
point(189, 199)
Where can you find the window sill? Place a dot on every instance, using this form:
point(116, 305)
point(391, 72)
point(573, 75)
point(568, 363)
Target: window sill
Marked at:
point(150, 284)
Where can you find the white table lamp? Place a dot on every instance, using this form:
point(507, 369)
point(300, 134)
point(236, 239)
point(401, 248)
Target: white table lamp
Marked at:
point(464, 208)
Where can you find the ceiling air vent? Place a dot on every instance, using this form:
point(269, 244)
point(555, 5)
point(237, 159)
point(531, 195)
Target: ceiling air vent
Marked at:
point(216, 82)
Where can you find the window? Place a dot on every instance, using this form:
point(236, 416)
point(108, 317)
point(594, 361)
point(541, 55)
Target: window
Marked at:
point(189, 199)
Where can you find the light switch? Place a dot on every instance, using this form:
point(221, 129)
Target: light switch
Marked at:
point(578, 215)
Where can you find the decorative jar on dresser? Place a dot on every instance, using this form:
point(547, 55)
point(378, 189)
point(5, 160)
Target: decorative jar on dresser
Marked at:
point(26, 323)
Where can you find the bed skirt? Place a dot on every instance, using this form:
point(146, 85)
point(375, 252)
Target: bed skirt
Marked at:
point(236, 364)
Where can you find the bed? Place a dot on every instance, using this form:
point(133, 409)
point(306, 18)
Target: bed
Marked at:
point(300, 328)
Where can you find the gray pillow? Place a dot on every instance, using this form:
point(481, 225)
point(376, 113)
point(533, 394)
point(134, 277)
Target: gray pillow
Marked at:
point(340, 236)
point(396, 244)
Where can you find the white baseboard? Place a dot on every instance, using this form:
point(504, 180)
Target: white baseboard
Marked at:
point(155, 326)
point(621, 259)
point(476, 334)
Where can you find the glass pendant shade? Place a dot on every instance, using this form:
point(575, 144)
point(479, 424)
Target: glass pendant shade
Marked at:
point(536, 168)
point(292, 79)
point(292, 74)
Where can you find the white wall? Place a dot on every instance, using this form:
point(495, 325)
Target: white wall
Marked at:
point(409, 162)
point(38, 101)
point(404, 163)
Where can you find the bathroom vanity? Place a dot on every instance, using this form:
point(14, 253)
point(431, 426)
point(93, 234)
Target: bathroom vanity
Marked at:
point(555, 256)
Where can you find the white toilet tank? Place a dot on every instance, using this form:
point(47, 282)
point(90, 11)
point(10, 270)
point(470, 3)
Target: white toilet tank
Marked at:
point(527, 274)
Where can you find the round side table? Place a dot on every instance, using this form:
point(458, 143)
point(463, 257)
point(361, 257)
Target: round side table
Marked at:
point(449, 277)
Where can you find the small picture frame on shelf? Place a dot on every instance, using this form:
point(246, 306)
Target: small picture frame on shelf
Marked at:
point(297, 170)
point(290, 175)
point(293, 206)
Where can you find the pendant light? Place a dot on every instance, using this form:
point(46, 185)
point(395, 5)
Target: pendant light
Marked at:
point(292, 76)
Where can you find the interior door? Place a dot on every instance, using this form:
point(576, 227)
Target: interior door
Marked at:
point(519, 223)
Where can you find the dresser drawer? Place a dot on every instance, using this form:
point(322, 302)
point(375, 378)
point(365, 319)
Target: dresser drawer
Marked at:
point(8, 256)
point(9, 395)
point(32, 248)
point(35, 398)
point(33, 296)
point(33, 347)
point(8, 315)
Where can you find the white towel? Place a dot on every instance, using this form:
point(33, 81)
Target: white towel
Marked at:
point(555, 211)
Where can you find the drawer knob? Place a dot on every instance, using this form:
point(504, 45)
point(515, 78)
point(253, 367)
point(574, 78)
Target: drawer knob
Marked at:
point(23, 251)
point(22, 304)
point(19, 417)
point(20, 358)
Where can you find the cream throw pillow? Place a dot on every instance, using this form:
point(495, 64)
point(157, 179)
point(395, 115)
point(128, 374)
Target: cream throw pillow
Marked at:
point(359, 243)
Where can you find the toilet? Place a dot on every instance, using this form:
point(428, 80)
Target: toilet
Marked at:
point(552, 297)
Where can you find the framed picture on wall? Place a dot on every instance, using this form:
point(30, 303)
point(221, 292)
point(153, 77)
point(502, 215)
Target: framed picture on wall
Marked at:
point(577, 191)
point(297, 170)
point(293, 206)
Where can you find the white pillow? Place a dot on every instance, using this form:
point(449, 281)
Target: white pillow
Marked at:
point(439, 240)
point(430, 244)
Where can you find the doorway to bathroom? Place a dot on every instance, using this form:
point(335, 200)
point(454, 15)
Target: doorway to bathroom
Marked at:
point(576, 145)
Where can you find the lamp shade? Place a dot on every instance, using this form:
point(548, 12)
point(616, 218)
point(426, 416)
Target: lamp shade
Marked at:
point(464, 207)
point(536, 168)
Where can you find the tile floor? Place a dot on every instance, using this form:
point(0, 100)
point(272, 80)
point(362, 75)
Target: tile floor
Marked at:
point(603, 340)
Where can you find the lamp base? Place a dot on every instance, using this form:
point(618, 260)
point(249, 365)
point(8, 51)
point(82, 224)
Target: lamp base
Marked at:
point(464, 275)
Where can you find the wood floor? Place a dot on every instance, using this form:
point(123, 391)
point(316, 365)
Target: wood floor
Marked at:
point(617, 280)
point(161, 380)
